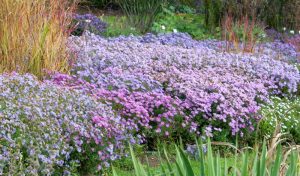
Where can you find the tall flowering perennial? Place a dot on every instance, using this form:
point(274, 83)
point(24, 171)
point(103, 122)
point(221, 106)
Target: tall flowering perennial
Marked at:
point(223, 89)
point(43, 125)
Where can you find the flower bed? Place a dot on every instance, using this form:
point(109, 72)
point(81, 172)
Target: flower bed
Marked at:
point(133, 89)
point(223, 89)
point(43, 126)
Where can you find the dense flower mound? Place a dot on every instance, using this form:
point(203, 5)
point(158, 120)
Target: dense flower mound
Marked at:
point(217, 86)
point(136, 58)
point(152, 112)
point(43, 124)
point(286, 51)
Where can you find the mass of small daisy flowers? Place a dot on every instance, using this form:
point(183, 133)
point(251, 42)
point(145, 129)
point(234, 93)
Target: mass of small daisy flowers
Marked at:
point(130, 89)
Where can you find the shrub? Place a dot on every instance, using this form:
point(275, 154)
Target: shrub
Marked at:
point(282, 13)
point(33, 35)
point(141, 13)
point(274, 13)
point(170, 21)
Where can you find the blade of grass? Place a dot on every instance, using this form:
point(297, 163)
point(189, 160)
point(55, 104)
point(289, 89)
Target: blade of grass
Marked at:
point(138, 168)
point(276, 167)
point(186, 163)
point(201, 156)
point(168, 162)
point(263, 160)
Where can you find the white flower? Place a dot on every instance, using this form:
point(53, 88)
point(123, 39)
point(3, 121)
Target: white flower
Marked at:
point(263, 35)
point(292, 32)
point(175, 30)
point(284, 28)
point(163, 27)
point(88, 21)
point(299, 32)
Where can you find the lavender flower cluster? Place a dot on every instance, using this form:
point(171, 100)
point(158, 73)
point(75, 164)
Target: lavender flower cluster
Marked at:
point(42, 124)
point(218, 86)
point(141, 111)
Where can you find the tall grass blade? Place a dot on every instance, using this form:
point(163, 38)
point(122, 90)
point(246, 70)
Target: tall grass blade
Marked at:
point(245, 165)
point(164, 173)
point(168, 162)
point(263, 160)
point(210, 160)
point(225, 167)
point(292, 169)
point(138, 168)
point(275, 170)
point(201, 156)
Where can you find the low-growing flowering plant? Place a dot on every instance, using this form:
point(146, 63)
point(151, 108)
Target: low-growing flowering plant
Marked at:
point(43, 125)
point(214, 88)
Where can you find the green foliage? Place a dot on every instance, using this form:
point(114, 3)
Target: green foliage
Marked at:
point(284, 112)
point(213, 11)
point(210, 164)
point(118, 25)
point(191, 23)
point(282, 13)
point(141, 13)
point(256, 33)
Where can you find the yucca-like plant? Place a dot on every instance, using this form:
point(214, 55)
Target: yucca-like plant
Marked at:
point(268, 161)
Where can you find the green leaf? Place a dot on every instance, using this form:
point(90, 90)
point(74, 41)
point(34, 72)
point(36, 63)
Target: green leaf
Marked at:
point(263, 160)
point(245, 165)
point(210, 160)
point(168, 162)
point(114, 171)
point(276, 167)
point(201, 157)
point(138, 168)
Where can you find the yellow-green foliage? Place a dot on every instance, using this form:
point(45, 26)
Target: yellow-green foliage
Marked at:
point(33, 35)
